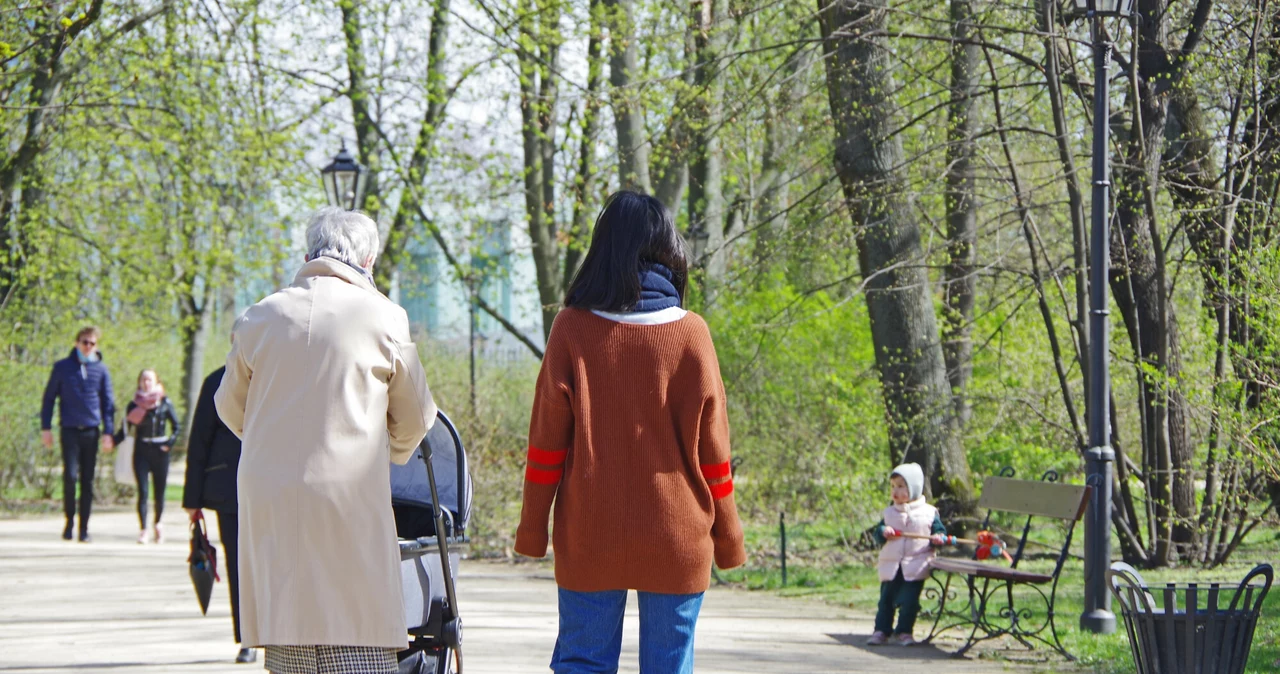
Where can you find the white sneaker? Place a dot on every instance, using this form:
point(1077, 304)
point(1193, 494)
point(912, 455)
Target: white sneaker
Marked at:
point(904, 639)
point(142, 537)
point(877, 639)
point(159, 533)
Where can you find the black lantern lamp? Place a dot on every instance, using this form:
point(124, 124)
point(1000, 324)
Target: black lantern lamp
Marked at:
point(344, 180)
point(1091, 8)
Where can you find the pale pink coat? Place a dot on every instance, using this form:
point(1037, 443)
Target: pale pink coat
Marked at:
point(912, 555)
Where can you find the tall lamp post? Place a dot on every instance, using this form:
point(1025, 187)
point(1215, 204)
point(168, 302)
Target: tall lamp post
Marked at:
point(1097, 616)
point(344, 180)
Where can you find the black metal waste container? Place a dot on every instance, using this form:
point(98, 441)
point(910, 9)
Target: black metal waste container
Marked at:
point(1190, 630)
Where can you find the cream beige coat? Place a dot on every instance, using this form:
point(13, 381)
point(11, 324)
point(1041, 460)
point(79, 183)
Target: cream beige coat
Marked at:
point(325, 388)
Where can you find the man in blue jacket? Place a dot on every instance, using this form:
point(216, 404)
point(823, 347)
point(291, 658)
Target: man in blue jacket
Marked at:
point(82, 385)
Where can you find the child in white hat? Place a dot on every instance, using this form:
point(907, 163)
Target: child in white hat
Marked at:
point(904, 562)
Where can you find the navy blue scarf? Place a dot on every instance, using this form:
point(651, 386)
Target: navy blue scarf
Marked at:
point(657, 292)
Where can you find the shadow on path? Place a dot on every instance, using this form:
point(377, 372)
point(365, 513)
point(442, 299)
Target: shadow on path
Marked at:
point(893, 651)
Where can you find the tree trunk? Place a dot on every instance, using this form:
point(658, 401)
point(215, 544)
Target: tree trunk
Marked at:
point(411, 197)
point(537, 105)
point(45, 86)
point(361, 103)
point(584, 185)
point(1140, 286)
point(904, 328)
point(961, 283)
point(628, 103)
point(706, 182)
point(769, 216)
point(197, 318)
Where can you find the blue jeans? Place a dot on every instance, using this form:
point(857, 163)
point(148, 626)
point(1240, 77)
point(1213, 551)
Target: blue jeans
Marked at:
point(590, 639)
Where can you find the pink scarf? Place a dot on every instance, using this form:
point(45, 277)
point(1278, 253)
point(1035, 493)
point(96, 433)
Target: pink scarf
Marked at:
point(143, 403)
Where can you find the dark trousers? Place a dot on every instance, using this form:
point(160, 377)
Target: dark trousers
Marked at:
point(903, 594)
point(228, 531)
point(79, 458)
point(150, 460)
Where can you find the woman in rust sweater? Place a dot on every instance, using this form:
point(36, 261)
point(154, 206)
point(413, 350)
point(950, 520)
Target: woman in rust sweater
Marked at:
point(629, 438)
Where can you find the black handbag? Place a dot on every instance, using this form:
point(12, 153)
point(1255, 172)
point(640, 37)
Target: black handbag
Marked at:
point(202, 563)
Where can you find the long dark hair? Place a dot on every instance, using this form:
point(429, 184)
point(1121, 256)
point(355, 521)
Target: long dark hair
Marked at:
point(632, 231)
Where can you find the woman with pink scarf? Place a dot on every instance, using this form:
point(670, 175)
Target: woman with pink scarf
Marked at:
point(146, 417)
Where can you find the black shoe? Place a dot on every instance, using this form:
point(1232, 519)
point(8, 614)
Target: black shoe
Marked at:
point(246, 655)
point(85, 537)
point(66, 533)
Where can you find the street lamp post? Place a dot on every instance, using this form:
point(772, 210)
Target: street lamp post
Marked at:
point(344, 180)
point(1100, 457)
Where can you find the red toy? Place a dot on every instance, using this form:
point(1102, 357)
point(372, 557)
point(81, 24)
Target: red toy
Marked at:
point(989, 545)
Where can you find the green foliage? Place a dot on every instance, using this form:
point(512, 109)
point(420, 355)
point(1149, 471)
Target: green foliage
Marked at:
point(805, 404)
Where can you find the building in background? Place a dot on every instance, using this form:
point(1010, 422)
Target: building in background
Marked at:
point(437, 297)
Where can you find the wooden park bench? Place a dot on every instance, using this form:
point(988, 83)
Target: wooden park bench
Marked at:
point(992, 608)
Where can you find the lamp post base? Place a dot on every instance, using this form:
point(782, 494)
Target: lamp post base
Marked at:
point(1099, 622)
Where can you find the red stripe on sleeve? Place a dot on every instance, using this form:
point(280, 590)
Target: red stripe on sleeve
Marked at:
point(719, 491)
point(547, 457)
point(715, 471)
point(540, 476)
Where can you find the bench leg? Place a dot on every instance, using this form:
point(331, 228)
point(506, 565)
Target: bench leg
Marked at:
point(978, 611)
point(942, 605)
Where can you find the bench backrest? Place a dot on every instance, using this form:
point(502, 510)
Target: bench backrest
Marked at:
point(1043, 498)
point(1026, 497)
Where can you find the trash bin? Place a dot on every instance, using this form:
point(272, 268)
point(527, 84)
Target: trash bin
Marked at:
point(1188, 628)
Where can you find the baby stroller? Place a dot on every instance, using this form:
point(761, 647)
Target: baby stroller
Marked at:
point(431, 494)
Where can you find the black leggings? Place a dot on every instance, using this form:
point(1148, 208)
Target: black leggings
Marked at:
point(148, 458)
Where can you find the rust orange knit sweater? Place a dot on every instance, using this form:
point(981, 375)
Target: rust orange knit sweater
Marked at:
point(630, 439)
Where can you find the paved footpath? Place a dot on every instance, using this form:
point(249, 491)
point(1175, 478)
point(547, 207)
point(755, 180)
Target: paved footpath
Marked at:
point(115, 606)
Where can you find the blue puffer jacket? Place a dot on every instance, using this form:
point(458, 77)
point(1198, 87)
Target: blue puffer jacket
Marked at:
point(84, 392)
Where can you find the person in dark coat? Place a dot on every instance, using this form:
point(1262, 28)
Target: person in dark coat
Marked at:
point(154, 423)
point(213, 457)
point(81, 385)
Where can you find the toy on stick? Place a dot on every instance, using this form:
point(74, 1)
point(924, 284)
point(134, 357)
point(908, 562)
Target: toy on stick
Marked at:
point(989, 545)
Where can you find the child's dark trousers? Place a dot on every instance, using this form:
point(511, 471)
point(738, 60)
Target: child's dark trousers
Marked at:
point(903, 594)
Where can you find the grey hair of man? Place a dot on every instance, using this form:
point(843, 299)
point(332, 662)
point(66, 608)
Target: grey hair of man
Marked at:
point(347, 236)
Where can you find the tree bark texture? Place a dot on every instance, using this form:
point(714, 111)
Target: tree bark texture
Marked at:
point(1140, 287)
point(904, 328)
point(361, 105)
point(197, 319)
point(961, 281)
point(584, 185)
point(706, 181)
point(627, 100)
point(538, 93)
point(393, 249)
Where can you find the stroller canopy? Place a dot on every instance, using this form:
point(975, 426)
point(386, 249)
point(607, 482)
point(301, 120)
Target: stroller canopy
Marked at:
point(410, 485)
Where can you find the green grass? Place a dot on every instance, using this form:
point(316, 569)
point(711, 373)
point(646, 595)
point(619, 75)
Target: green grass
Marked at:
point(821, 566)
point(30, 500)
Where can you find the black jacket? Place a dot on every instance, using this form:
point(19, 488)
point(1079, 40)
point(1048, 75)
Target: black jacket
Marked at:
point(213, 455)
point(153, 424)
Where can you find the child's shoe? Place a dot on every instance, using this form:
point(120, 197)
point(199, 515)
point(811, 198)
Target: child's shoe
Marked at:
point(878, 639)
point(904, 639)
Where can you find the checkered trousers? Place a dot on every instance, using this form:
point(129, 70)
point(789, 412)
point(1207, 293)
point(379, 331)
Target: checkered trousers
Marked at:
point(330, 660)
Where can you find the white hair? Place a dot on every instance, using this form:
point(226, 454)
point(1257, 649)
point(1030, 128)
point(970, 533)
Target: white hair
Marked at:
point(343, 235)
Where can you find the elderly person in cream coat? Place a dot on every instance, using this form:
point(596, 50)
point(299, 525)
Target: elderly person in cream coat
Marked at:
point(325, 388)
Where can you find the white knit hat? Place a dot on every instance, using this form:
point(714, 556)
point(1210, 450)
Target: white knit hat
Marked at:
point(913, 475)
